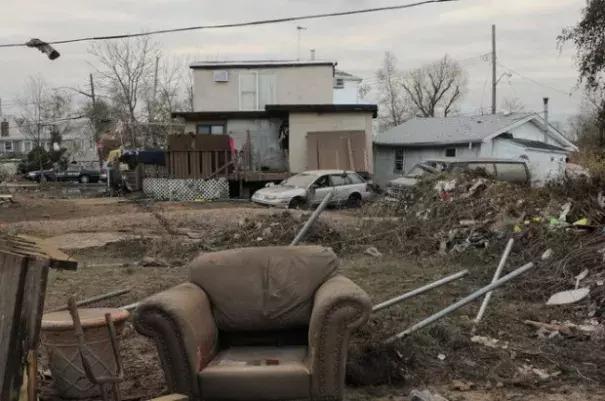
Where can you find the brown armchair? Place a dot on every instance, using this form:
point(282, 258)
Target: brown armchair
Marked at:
point(257, 324)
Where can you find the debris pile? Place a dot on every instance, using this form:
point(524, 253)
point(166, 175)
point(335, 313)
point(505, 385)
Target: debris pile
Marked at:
point(278, 228)
point(548, 325)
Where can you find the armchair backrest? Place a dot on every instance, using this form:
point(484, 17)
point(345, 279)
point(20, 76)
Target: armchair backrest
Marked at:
point(265, 288)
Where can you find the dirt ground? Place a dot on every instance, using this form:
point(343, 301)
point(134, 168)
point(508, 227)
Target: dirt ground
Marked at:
point(110, 236)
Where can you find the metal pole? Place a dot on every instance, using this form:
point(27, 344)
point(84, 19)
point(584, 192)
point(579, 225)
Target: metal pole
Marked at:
point(314, 216)
point(93, 299)
point(459, 304)
point(494, 82)
point(419, 291)
point(509, 247)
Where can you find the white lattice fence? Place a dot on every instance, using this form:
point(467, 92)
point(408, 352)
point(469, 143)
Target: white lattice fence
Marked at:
point(152, 171)
point(186, 190)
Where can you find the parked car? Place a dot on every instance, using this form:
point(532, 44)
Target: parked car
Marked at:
point(72, 172)
point(501, 169)
point(311, 187)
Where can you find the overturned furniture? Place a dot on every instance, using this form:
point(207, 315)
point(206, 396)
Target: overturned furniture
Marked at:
point(257, 324)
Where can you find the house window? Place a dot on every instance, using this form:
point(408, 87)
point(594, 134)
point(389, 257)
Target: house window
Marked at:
point(399, 156)
point(256, 90)
point(450, 152)
point(8, 146)
point(214, 129)
point(27, 146)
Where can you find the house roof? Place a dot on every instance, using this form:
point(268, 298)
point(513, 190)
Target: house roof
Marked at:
point(215, 65)
point(219, 115)
point(323, 108)
point(535, 144)
point(277, 110)
point(346, 76)
point(448, 130)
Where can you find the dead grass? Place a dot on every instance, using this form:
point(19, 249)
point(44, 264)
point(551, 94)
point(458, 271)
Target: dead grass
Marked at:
point(411, 260)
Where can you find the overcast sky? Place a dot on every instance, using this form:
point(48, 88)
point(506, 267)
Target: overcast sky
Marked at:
point(526, 39)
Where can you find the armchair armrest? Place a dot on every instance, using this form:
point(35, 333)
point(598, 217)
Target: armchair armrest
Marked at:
point(180, 322)
point(339, 308)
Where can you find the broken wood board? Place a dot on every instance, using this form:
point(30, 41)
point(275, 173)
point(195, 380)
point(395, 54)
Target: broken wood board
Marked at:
point(171, 397)
point(23, 280)
point(36, 248)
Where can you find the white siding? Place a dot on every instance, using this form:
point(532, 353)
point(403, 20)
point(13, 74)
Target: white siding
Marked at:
point(544, 165)
point(384, 161)
point(533, 132)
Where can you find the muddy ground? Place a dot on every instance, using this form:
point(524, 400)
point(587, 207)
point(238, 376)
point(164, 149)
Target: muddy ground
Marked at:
point(110, 236)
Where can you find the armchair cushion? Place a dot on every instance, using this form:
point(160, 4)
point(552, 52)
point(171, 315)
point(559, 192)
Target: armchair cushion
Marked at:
point(240, 373)
point(262, 288)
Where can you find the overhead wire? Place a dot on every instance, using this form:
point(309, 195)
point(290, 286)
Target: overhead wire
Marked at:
point(238, 24)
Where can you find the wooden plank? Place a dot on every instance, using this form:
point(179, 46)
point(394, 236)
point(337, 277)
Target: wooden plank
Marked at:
point(35, 247)
point(195, 167)
point(350, 153)
point(171, 397)
point(12, 278)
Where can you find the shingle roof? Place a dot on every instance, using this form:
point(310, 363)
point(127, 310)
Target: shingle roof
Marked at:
point(536, 144)
point(447, 130)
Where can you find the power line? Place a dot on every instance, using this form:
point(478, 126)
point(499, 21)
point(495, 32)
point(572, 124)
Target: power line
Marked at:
point(239, 24)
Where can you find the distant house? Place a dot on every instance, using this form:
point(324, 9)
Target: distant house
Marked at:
point(77, 137)
point(283, 113)
point(14, 139)
point(512, 135)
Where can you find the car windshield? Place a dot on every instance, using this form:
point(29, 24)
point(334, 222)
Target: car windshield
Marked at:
point(299, 180)
point(418, 171)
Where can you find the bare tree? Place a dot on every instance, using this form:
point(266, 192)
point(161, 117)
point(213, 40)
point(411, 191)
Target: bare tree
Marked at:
point(125, 67)
point(513, 105)
point(436, 87)
point(395, 109)
point(42, 108)
point(44, 117)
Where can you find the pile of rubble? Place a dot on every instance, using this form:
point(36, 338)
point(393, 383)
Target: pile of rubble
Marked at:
point(275, 229)
point(547, 324)
point(453, 214)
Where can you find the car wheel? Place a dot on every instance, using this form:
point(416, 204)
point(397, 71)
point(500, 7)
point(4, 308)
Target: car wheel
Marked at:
point(296, 203)
point(354, 200)
point(84, 179)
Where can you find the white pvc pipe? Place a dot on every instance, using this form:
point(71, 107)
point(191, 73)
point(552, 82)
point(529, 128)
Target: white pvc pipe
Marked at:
point(444, 312)
point(503, 259)
point(419, 291)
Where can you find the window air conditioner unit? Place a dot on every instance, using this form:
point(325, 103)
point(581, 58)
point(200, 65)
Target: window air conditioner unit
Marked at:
point(221, 76)
point(339, 83)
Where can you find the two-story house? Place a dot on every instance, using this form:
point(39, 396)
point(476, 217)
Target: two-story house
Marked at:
point(285, 111)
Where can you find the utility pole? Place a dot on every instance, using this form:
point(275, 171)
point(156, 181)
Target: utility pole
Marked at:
point(151, 105)
point(494, 82)
point(93, 120)
point(299, 29)
point(92, 91)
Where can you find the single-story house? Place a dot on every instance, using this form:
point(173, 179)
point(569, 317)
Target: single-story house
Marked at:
point(509, 135)
point(291, 138)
